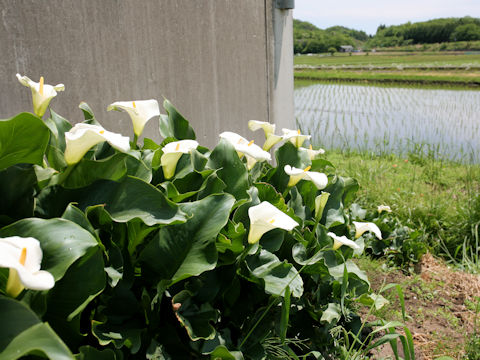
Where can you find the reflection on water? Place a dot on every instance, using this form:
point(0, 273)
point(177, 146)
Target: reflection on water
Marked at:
point(391, 119)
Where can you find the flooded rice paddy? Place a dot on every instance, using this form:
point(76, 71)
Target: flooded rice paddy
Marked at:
point(445, 123)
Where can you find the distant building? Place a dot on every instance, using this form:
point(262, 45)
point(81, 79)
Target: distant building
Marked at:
point(346, 48)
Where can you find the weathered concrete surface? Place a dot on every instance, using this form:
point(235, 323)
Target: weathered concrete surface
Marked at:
point(216, 60)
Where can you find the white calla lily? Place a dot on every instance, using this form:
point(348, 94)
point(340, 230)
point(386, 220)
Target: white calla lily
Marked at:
point(172, 152)
point(42, 93)
point(338, 241)
point(23, 256)
point(320, 202)
point(295, 137)
point(361, 227)
point(320, 180)
point(382, 208)
point(82, 137)
point(265, 217)
point(269, 129)
point(140, 112)
point(312, 153)
point(253, 152)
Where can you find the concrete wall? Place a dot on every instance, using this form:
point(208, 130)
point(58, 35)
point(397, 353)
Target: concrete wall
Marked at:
point(221, 62)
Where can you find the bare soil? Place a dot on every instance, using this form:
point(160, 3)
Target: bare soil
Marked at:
point(441, 304)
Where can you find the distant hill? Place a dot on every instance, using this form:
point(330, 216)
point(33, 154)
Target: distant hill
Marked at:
point(310, 39)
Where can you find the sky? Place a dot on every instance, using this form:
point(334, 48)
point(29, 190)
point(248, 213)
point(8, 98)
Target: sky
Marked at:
point(367, 15)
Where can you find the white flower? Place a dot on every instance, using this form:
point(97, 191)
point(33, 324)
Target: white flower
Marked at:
point(312, 154)
point(361, 227)
point(172, 152)
point(82, 137)
point(41, 93)
point(253, 152)
point(295, 137)
point(320, 180)
point(140, 112)
point(342, 240)
point(269, 129)
point(265, 217)
point(23, 256)
point(381, 208)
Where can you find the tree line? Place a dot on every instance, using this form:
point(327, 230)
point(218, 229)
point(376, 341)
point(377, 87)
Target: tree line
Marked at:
point(310, 39)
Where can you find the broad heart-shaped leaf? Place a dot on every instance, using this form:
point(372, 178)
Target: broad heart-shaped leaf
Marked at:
point(231, 170)
point(266, 269)
point(221, 352)
point(58, 127)
point(126, 200)
point(342, 190)
point(174, 124)
point(196, 318)
point(17, 187)
point(90, 353)
point(287, 154)
point(181, 251)
point(88, 171)
point(82, 282)
point(332, 313)
point(62, 241)
point(23, 333)
point(352, 268)
point(23, 139)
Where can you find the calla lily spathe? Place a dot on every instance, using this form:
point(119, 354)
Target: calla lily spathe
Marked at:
point(320, 202)
point(265, 217)
point(338, 241)
point(361, 227)
point(42, 93)
point(382, 208)
point(252, 152)
point(172, 152)
point(312, 153)
point(23, 256)
point(140, 112)
point(295, 137)
point(269, 129)
point(82, 137)
point(320, 180)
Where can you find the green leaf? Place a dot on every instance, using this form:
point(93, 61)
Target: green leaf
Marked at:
point(231, 170)
point(352, 268)
point(132, 198)
point(174, 124)
point(285, 314)
point(62, 241)
point(266, 269)
point(287, 154)
point(181, 251)
point(87, 171)
point(378, 301)
point(23, 333)
point(88, 113)
point(222, 353)
point(90, 353)
point(340, 190)
point(23, 139)
point(332, 313)
point(196, 318)
point(17, 189)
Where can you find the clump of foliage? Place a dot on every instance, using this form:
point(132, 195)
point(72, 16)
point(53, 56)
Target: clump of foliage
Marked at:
point(172, 250)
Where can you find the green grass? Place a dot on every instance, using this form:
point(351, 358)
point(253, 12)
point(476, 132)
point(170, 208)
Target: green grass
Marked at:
point(385, 59)
point(409, 68)
point(456, 78)
point(439, 198)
